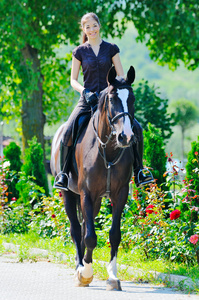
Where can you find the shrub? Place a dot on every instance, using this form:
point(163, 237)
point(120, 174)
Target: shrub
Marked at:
point(29, 191)
point(34, 165)
point(4, 168)
point(13, 154)
point(15, 218)
point(192, 166)
point(150, 108)
point(154, 153)
point(48, 218)
point(157, 231)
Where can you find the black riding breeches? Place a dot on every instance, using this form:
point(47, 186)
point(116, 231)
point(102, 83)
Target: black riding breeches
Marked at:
point(82, 106)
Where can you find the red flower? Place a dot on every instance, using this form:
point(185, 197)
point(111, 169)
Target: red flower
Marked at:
point(53, 216)
point(14, 199)
point(60, 194)
point(175, 214)
point(194, 239)
point(150, 209)
point(196, 153)
point(109, 244)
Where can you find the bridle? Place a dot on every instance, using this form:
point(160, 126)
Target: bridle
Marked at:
point(111, 120)
point(118, 116)
point(103, 145)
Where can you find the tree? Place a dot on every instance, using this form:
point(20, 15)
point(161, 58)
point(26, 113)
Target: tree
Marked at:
point(150, 108)
point(169, 28)
point(30, 31)
point(185, 115)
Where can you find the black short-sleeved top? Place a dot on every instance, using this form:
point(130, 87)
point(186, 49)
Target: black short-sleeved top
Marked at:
point(95, 68)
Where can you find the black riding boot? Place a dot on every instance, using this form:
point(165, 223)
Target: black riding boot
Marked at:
point(62, 178)
point(140, 177)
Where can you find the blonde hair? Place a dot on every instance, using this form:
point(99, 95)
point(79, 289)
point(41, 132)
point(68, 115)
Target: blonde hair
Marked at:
point(84, 20)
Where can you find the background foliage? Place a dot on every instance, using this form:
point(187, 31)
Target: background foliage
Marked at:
point(26, 55)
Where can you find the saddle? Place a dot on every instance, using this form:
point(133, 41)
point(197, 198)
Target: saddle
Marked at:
point(80, 123)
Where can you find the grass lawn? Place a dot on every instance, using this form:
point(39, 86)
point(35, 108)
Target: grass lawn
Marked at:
point(56, 247)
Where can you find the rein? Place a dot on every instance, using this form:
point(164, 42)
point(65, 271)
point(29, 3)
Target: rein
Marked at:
point(108, 164)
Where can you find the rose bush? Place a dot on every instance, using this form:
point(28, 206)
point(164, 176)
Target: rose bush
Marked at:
point(48, 218)
point(4, 169)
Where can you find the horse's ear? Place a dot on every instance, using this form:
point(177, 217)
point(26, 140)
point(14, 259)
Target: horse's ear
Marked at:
point(111, 75)
point(131, 75)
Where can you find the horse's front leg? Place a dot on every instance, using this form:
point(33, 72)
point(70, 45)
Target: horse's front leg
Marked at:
point(70, 203)
point(85, 271)
point(118, 201)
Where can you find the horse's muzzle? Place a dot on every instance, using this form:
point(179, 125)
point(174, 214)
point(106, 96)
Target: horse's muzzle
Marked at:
point(124, 141)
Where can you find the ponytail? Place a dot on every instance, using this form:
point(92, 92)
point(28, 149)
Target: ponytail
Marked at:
point(85, 38)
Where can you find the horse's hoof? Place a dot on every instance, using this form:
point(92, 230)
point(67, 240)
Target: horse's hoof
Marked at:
point(113, 285)
point(82, 281)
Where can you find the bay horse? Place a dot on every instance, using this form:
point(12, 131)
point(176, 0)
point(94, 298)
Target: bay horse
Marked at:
point(104, 162)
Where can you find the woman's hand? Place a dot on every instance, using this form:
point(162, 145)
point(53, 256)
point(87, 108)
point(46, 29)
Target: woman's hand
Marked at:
point(90, 97)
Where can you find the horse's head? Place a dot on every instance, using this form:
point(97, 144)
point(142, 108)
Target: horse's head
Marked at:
point(120, 106)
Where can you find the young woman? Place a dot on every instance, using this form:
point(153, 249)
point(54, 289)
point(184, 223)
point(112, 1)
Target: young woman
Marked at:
point(96, 57)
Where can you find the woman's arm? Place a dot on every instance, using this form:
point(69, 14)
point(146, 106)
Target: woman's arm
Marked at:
point(74, 75)
point(118, 65)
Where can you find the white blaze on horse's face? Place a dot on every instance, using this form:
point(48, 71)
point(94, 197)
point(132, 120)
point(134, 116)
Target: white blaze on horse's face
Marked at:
point(123, 94)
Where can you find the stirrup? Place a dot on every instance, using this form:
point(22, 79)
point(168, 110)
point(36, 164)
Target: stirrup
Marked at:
point(55, 186)
point(139, 183)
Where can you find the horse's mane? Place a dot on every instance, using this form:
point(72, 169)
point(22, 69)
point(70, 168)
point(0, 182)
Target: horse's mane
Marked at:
point(118, 82)
point(102, 98)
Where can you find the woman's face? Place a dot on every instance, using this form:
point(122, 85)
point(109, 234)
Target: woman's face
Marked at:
point(91, 28)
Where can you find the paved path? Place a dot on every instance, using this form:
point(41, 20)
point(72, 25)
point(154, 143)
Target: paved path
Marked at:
point(49, 281)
